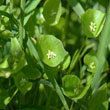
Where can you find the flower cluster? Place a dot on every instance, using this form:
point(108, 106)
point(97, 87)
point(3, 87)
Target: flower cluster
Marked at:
point(51, 54)
point(92, 27)
point(92, 65)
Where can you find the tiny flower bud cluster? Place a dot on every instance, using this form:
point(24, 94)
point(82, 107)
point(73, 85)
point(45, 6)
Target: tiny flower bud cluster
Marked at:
point(92, 65)
point(92, 27)
point(51, 54)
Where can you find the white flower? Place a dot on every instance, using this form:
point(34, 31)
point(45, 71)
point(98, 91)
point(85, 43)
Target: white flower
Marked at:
point(51, 54)
point(23, 81)
point(92, 65)
point(92, 27)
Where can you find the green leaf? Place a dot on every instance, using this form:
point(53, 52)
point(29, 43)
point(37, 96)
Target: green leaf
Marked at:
point(99, 100)
point(50, 73)
point(4, 64)
point(70, 83)
point(90, 61)
point(66, 62)
point(22, 82)
point(6, 34)
point(72, 2)
point(92, 22)
point(7, 100)
point(30, 6)
point(16, 49)
point(18, 64)
point(33, 51)
point(30, 25)
point(52, 11)
point(31, 72)
point(51, 50)
point(83, 90)
point(72, 87)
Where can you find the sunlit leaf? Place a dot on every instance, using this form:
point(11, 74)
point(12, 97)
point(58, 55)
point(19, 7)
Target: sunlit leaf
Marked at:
point(51, 50)
point(92, 22)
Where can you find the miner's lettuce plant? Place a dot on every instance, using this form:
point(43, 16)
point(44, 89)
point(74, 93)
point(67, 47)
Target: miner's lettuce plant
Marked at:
point(54, 55)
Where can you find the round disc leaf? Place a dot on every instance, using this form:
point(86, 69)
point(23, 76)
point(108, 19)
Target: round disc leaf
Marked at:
point(90, 61)
point(92, 22)
point(49, 45)
point(70, 83)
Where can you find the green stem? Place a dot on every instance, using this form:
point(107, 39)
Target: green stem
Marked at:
point(21, 27)
point(76, 57)
point(16, 91)
point(11, 6)
point(87, 48)
point(50, 73)
point(102, 50)
point(71, 108)
point(59, 92)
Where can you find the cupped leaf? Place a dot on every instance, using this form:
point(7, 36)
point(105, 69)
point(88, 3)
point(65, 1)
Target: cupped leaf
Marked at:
point(22, 82)
point(99, 100)
point(90, 61)
point(52, 11)
point(70, 84)
point(92, 22)
point(51, 50)
point(83, 90)
point(73, 88)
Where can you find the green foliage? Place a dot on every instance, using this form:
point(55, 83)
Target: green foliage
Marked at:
point(22, 82)
point(73, 88)
point(92, 22)
point(54, 55)
point(70, 84)
point(52, 46)
point(100, 98)
point(52, 13)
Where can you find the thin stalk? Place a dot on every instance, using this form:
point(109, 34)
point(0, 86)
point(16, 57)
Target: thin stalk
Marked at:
point(87, 48)
point(50, 73)
point(59, 92)
point(76, 57)
point(16, 91)
point(11, 6)
point(21, 27)
point(10, 99)
point(102, 50)
point(71, 107)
